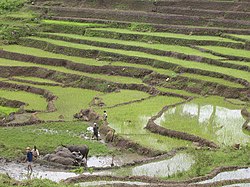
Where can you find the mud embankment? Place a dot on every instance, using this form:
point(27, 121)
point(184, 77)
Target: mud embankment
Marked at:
point(11, 103)
point(119, 141)
point(34, 82)
point(246, 115)
point(50, 97)
point(45, 93)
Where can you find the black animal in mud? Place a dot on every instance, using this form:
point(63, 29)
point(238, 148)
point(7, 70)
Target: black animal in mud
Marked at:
point(82, 149)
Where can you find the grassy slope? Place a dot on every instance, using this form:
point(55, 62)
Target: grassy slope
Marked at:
point(161, 47)
point(184, 63)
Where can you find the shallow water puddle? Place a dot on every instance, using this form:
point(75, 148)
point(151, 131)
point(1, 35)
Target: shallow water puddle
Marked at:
point(117, 160)
point(102, 183)
point(19, 172)
point(220, 124)
point(164, 168)
point(230, 175)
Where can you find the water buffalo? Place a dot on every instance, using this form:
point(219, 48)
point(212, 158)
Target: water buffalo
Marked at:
point(83, 149)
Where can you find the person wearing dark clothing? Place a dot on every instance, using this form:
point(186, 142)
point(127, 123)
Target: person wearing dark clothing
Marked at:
point(95, 131)
point(29, 159)
point(105, 117)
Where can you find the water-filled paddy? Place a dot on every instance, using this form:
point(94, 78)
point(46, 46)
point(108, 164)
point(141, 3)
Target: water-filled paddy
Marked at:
point(130, 120)
point(230, 175)
point(210, 118)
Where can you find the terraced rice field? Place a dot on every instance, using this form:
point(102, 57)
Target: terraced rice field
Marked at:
point(172, 81)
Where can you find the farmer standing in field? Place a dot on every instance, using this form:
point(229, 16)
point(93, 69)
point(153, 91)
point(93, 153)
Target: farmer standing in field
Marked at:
point(29, 158)
point(105, 117)
point(95, 131)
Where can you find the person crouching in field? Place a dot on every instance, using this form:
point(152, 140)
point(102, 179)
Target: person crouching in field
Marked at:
point(29, 158)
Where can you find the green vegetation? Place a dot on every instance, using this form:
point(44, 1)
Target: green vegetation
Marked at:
point(182, 92)
point(15, 21)
point(71, 99)
point(46, 137)
point(42, 53)
point(35, 102)
point(4, 111)
point(245, 37)
point(242, 63)
point(10, 5)
point(184, 63)
point(166, 35)
point(158, 70)
point(130, 120)
point(212, 79)
point(111, 78)
point(35, 79)
point(207, 160)
point(6, 181)
point(228, 51)
point(122, 96)
point(161, 47)
point(56, 22)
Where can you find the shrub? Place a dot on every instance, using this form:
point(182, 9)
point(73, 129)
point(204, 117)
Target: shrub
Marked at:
point(10, 5)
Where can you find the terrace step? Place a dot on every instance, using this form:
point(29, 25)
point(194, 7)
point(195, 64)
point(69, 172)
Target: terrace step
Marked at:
point(148, 5)
point(140, 16)
point(207, 13)
point(143, 47)
point(136, 57)
point(207, 5)
point(157, 27)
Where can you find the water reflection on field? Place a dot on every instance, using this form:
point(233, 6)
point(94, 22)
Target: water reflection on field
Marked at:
point(165, 168)
point(218, 123)
point(230, 175)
